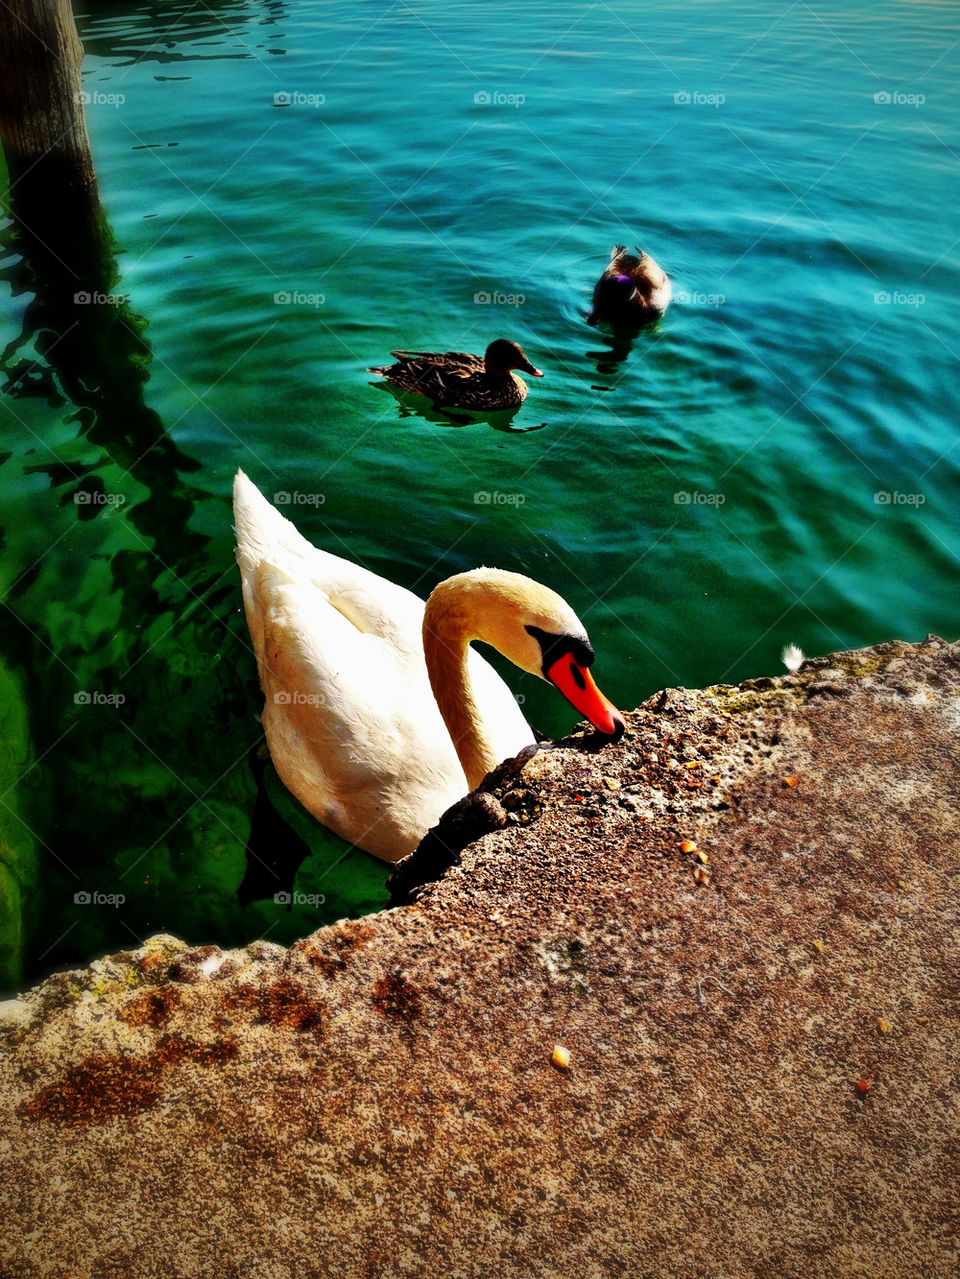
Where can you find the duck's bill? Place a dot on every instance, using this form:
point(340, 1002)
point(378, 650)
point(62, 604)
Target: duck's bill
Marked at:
point(527, 367)
point(576, 684)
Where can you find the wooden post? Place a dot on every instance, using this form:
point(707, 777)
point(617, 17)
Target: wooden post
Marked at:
point(42, 122)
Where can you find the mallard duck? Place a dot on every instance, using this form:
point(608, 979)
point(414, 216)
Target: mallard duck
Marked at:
point(632, 290)
point(458, 380)
point(378, 714)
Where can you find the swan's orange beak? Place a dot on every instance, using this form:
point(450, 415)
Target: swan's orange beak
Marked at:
point(576, 684)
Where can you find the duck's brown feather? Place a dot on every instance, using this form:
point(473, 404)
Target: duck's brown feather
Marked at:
point(643, 271)
point(454, 379)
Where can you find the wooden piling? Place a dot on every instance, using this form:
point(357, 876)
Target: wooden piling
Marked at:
point(42, 122)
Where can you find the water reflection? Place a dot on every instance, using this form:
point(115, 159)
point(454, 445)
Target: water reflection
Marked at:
point(137, 691)
point(410, 405)
point(619, 344)
point(180, 31)
point(274, 850)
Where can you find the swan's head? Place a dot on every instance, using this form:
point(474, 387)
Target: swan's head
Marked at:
point(535, 628)
point(502, 356)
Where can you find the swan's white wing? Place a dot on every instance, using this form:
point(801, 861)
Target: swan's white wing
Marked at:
point(372, 603)
point(350, 718)
point(351, 721)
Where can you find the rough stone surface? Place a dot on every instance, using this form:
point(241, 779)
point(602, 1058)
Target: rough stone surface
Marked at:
point(762, 1030)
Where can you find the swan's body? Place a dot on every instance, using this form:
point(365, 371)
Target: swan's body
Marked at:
point(632, 290)
point(353, 727)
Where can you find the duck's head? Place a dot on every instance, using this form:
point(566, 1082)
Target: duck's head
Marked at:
point(613, 295)
point(537, 630)
point(502, 356)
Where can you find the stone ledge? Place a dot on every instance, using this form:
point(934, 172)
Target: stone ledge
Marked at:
point(741, 921)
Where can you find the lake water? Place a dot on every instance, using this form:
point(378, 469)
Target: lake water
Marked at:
point(776, 461)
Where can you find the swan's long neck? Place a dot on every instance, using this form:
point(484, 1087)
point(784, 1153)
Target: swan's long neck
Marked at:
point(446, 640)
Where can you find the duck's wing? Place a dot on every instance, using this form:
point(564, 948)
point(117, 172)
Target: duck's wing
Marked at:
point(621, 262)
point(465, 358)
point(428, 372)
point(648, 272)
point(442, 359)
point(410, 366)
point(431, 357)
point(627, 264)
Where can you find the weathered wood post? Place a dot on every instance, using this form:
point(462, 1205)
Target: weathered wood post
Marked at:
point(42, 121)
point(53, 200)
point(61, 230)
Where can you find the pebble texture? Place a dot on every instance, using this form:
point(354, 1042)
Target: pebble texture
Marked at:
point(740, 923)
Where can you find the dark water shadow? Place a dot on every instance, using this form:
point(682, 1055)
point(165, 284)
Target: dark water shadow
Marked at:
point(274, 851)
point(140, 701)
point(206, 25)
point(410, 405)
point(619, 343)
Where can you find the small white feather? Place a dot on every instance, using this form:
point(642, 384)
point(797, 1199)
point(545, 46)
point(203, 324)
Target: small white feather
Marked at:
point(211, 965)
point(792, 657)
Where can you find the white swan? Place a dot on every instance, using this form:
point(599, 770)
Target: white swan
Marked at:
point(347, 661)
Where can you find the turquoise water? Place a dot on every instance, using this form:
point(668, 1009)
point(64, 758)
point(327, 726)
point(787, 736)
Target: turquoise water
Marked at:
point(793, 167)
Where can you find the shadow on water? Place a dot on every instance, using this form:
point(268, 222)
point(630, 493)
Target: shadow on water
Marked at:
point(130, 705)
point(207, 25)
point(619, 343)
point(274, 852)
point(410, 405)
